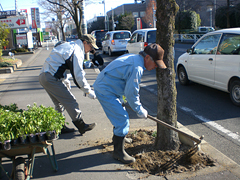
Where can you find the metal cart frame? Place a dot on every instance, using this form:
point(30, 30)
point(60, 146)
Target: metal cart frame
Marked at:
point(24, 170)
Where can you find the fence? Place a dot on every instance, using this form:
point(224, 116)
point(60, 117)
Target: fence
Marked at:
point(187, 37)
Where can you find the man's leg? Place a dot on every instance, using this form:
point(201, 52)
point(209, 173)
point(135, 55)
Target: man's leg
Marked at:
point(119, 118)
point(59, 93)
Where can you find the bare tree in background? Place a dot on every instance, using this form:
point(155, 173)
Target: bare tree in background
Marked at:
point(73, 7)
point(58, 11)
point(148, 18)
point(166, 139)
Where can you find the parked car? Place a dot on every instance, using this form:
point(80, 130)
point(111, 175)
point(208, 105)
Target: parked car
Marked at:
point(99, 36)
point(140, 39)
point(115, 41)
point(214, 61)
point(205, 29)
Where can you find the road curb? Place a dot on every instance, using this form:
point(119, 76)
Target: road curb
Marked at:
point(224, 163)
point(10, 69)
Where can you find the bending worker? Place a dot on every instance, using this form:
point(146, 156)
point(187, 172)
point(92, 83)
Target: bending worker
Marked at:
point(68, 56)
point(122, 77)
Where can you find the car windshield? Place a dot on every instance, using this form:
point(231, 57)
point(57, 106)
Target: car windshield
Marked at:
point(151, 37)
point(100, 34)
point(121, 35)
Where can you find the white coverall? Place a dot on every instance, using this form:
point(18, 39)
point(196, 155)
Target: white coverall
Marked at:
point(121, 77)
point(67, 56)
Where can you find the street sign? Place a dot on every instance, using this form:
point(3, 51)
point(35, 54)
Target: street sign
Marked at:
point(8, 13)
point(21, 39)
point(16, 22)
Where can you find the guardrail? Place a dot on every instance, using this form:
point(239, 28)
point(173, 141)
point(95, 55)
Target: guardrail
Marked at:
point(187, 37)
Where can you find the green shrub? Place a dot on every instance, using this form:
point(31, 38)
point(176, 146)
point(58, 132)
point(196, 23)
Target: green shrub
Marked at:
point(5, 64)
point(19, 50)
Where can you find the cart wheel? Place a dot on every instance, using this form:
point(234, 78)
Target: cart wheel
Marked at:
point(19, 171)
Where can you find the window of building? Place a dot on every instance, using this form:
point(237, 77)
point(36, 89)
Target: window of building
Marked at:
point(135, 14)
point(142, 13)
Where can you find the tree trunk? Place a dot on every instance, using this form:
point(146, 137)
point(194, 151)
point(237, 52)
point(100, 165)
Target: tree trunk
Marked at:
point(166, 139)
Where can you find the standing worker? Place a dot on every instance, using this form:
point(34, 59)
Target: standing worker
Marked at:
point(64, 57)
point(122, 77)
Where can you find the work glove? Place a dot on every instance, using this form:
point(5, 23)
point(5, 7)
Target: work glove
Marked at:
point(91, 94)
point(143, 113)
point(67, 83)
point(123, 100)
point(97, 59)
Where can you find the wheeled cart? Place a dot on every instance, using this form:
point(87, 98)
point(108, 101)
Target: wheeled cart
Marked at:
point(22, 168)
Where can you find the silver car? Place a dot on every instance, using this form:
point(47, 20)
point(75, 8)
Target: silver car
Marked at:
point(214, 61)
point(115, 41)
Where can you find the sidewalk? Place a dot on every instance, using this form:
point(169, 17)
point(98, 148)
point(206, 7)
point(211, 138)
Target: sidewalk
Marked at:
point(80, 157)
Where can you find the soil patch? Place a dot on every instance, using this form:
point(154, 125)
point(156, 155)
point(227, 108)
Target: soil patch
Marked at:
point(161, 163)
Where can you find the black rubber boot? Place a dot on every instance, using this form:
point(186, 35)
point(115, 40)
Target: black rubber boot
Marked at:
point(127, 140)
point(65, 129)
point(82, 127)
point(119, 153)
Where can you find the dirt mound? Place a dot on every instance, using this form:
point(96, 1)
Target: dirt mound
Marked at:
point(156, 162)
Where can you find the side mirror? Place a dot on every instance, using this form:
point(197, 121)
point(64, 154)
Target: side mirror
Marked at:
point(190, 50)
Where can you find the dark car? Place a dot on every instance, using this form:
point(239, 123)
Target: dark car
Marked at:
point(99, 35)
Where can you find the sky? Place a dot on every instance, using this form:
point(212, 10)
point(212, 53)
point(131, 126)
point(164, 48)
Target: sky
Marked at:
point(91, 10)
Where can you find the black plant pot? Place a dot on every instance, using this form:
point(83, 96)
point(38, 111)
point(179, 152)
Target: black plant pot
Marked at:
point(23, 139)
point(15, 142)
point(52, 135)
point(32, 138)
point(42, 136)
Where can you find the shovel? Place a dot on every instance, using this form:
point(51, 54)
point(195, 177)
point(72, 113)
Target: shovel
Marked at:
point(198, 141)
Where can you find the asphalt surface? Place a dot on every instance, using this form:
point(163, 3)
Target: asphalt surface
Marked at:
point(80, 157)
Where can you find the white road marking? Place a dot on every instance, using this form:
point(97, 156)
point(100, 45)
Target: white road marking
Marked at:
point(213, 124)
point(201, 118)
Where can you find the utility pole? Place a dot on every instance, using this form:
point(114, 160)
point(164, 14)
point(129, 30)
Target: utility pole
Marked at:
point(105, 16)
point(154, 16)
point(113, 23)
point(228, 9)
point(16, 6)
point(84, 26)
point(84, 23)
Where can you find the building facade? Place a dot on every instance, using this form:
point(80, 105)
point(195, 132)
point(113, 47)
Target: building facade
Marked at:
point(205, 8)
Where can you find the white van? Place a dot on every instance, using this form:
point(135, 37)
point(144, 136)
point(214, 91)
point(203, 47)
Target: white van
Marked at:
point(140, 39)
point(214, 61)
point(205, 29)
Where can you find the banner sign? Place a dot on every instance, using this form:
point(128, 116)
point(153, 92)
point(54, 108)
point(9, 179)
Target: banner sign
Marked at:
point(139, 23)
point(35, 18)
point(16, 22)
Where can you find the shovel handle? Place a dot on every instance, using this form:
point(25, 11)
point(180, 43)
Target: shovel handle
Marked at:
point(198, 141)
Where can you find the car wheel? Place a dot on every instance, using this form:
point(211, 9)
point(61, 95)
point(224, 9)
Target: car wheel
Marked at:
point(103, 52)
point(182, 76)
point(109, 52)
point(235, 92)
